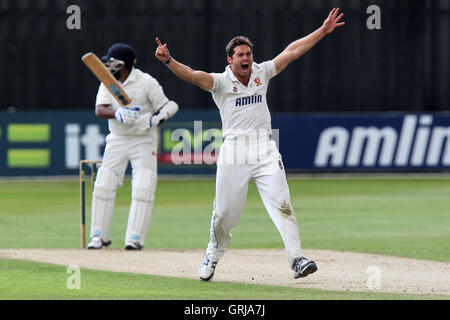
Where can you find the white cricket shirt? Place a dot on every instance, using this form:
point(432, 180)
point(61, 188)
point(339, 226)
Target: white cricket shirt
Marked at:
point(243, 110)
point(145, 93)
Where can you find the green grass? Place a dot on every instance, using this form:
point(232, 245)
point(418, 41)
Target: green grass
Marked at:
point(40, 281)
point(402, 217)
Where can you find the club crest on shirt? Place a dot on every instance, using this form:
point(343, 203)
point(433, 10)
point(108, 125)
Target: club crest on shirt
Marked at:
point(234, 89)
point(257, 81)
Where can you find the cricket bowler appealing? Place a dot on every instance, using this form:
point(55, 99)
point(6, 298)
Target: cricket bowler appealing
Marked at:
point(240, 95)
point(132, 138)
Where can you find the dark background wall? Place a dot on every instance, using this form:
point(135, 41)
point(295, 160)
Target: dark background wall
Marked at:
point(402, 67)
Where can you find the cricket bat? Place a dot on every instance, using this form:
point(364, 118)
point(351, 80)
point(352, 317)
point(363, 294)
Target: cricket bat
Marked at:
point(98, 68)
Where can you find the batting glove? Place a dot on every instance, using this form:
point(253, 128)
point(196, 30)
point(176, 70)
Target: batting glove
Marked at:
point(164, 113)
point(127, 115)
point(156, 120)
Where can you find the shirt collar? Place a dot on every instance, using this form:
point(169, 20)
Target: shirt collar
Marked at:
point(230, 73)
point(131, 77)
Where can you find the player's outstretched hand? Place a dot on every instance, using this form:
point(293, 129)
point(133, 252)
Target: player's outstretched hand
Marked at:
point(162, 52)
point(332, 21)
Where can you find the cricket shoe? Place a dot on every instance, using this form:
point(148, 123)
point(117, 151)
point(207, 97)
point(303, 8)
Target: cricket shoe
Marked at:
point(133, 246)
point(98, 243)
point(207, 269)
point(303, 267)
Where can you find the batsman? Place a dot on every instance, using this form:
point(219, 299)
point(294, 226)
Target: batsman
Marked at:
point(132, 139)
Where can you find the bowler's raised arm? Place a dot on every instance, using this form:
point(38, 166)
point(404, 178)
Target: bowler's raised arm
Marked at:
point(297, 48)
point(200, 78)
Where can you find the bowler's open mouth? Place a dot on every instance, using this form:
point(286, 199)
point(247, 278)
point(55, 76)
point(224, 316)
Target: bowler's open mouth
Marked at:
point(245, 66)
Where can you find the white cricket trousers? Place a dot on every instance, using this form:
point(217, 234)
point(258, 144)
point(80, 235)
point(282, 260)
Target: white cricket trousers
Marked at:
point(140, 151)
point(232, 181)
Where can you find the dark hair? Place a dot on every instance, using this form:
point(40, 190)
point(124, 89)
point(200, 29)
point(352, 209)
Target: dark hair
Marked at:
point(237, 41)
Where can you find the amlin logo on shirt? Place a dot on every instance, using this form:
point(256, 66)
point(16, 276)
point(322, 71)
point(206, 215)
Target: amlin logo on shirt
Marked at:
point(417, 144)
point(256, 98)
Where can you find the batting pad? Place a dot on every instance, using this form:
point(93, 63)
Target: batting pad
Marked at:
point(103, 203)
point(141, 206)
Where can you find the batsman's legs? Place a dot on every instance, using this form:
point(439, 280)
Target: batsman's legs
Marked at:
point(109, 178)
point(103, 199)
point(143, 185)
point(144, 164)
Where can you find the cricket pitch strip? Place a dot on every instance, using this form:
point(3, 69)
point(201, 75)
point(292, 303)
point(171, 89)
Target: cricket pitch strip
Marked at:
point(337, 270)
